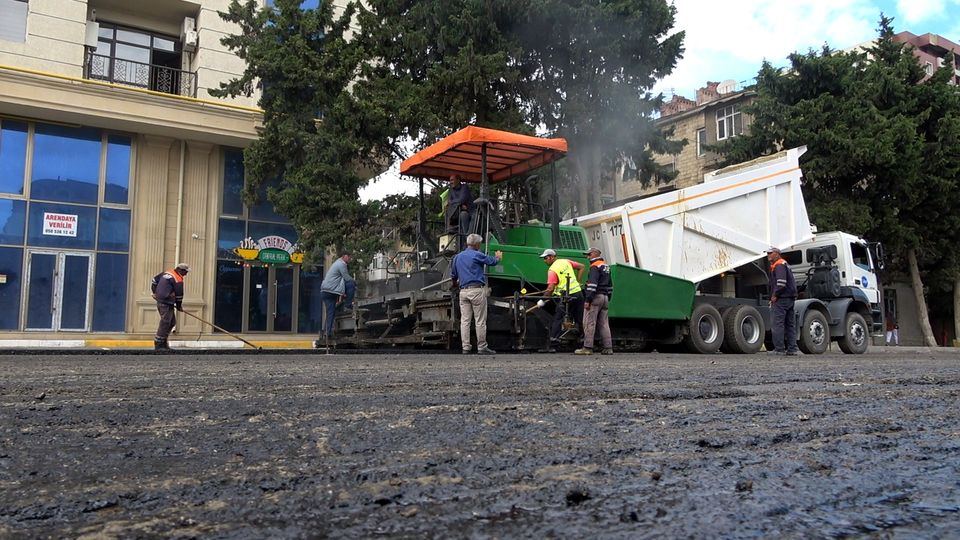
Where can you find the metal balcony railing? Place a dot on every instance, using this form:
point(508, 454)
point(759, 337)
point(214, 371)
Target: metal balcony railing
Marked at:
point(152, 77)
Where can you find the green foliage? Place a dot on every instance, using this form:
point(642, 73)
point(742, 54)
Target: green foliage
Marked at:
point(311, 139)
point(419, 70)
point(883, 144)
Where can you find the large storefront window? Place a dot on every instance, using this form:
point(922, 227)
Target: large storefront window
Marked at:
point(64, 227)
point(261, 283)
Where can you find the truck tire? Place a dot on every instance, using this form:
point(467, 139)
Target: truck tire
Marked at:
point(856, 336)
point(743, 330)
point(705, 330)
point(814, 333)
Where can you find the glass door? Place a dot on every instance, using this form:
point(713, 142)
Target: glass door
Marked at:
point(58, 291)
point(283, 299)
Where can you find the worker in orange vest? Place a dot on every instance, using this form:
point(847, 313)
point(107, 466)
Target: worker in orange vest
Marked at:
point(167, 290)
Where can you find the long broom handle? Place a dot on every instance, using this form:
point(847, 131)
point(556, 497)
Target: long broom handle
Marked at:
point(220, 329)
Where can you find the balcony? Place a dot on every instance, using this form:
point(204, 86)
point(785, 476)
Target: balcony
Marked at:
point(154, 77)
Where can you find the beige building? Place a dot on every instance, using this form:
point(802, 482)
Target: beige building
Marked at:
point(715, 116)
point(116, 163)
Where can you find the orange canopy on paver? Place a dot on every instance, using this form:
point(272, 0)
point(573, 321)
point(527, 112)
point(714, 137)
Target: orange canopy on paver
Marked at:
point(508, 154)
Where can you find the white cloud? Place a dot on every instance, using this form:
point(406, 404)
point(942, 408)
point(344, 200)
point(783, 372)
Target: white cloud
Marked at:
point(729, 40)
point(915, 11)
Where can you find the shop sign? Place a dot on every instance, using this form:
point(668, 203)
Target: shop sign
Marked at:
point(273, 256)
point(59, 224)
point(269, 250)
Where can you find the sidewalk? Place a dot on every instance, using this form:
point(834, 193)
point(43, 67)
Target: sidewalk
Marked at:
point(138, 343)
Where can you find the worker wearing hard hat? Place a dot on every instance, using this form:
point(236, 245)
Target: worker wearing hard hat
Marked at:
point(563, 280)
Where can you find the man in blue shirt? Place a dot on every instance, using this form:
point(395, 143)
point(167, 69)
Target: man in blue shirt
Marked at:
point(469, 275)
point(337, 288)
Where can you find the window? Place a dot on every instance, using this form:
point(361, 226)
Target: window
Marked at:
point(76, 200)
point(729, 122)
point(860, 255)
point(701, 142)
point(66, 164)
point(110, 293)
point(794, 257)
point(13, 20)
point(13, 156)
point(118, 170)
point(83, 219)
point(114, 230)
point(232, 182)
point(12, 218)
point(139, 58)
point(11, 260)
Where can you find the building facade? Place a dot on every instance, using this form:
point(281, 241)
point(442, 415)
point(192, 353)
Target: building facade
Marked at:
point(116, 163)
point(715, 116)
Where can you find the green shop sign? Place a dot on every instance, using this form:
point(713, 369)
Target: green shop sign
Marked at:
point(273, 256)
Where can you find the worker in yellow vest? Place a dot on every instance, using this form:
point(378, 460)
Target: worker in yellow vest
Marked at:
point(563, 280)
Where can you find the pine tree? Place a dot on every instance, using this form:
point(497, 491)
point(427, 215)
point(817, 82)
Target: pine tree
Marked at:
point(883, 150)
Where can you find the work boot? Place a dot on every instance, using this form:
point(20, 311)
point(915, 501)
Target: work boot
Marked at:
point(794, 353)
point(160, 345)
point(776, 353)
point(467, 351)
point(606, 352)
point(487, 351)
point(583, 351)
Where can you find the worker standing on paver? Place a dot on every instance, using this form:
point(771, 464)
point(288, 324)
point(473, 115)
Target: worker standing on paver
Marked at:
point(563, 279)
point(167, 288)
point(459, 209)
point(468, 273)
point(599, 291)
point(783, 294)
point(337, 288)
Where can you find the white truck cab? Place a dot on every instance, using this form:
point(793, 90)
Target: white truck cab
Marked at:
point(857, 265)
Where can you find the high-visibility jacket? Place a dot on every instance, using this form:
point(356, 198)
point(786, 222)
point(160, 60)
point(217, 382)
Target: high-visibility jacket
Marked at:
point(782, 283)
point(169, 287)
point(568, 278)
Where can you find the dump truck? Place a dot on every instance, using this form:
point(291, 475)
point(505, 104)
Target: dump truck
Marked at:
point(715, 234)
point(687, 266)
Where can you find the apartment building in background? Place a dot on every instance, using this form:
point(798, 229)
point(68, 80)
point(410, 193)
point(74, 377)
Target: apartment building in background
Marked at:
point(116, 163)
point(715, 115)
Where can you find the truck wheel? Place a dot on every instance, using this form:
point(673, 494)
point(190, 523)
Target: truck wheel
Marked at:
point(705, 330)
point(814, 333)
point(855, 339)
point(743, 330)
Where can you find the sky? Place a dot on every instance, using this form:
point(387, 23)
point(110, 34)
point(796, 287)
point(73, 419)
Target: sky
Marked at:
point(729, 39)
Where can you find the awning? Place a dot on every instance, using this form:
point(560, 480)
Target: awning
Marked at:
point(508, 155)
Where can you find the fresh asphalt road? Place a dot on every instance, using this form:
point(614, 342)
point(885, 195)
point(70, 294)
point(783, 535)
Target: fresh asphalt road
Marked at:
point(631, 445)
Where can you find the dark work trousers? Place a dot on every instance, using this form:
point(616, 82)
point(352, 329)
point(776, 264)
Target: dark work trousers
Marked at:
point(463, 228)
point(329, 300)
point(576, 305)
point(784, 325)
point(168, 319)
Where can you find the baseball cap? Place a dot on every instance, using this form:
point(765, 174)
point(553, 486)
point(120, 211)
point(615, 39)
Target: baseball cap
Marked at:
point(547, 253)
point(592, 249)
point(773, 249)
point(183, 266)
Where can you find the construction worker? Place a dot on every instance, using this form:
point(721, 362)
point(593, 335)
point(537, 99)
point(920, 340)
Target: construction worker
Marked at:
point(167, 290)
point(468, 274)
point(563, 279)
point(459, 209)
point(599, 291)
point(336, 289)
point(783, 294)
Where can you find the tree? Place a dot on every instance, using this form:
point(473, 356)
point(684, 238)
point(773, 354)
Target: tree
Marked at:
point(589, 68)
point(882, 146)
point(311, 144)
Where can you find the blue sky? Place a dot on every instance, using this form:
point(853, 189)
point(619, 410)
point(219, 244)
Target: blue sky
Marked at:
point(729, 39)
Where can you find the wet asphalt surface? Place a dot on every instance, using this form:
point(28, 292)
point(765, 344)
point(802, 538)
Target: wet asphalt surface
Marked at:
point(253, 446)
